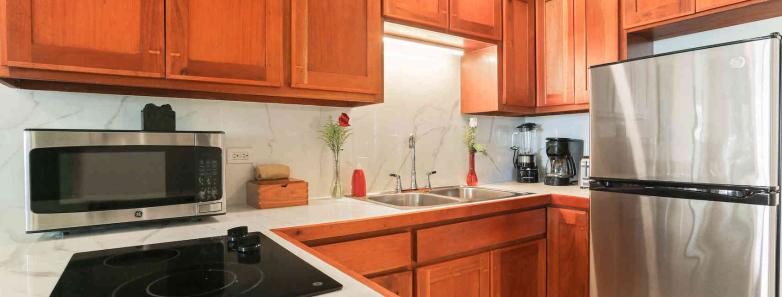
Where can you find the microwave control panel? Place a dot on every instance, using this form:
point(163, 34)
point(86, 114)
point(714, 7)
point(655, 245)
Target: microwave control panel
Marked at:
point(210, 179)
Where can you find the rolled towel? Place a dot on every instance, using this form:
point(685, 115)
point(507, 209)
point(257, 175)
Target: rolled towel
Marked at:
point(272, 171)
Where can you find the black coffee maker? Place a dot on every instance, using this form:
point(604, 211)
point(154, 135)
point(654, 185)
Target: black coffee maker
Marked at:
point(524, 154)
point(561, 168)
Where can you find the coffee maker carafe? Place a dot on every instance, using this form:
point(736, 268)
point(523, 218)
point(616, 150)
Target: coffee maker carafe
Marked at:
point(561, 168)
point(524, 147)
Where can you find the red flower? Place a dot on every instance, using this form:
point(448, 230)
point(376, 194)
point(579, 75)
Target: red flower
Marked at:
point(344, 120)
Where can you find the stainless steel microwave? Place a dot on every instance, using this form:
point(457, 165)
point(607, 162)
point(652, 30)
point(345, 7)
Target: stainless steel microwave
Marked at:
point(85, 178)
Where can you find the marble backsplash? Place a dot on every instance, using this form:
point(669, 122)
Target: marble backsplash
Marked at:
point(421, 97)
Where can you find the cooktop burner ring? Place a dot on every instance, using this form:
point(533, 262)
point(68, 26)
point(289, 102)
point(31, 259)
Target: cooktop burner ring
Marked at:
point(242, 279)
point(141, 258)
point(220, 287)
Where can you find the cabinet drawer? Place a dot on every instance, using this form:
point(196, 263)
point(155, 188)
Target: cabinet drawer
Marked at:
point(443, 241)
point(372, 255)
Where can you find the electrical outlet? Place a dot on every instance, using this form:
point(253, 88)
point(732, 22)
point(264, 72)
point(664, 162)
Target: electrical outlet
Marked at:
point(239, 155)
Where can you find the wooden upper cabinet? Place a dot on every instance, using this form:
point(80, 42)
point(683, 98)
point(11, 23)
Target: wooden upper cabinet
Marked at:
point(568, 252)
point(519, 271)
point(596, 40)
point(642, 12)
point(236, 41)
point(555, 52)
point(518, 54)
point(92, 36)
point(336, 45)
point(427, 12)
point(703, 5)
point(572, 36)
point(464, 277)
point(481, 18)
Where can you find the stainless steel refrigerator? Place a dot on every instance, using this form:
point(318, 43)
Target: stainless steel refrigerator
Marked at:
point(686, 173)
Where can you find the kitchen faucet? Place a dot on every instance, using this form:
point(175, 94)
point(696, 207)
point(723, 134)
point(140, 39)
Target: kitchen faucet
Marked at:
point(413, 179)
point(411, 145)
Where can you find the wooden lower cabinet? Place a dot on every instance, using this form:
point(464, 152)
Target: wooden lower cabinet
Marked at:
point(519, 271)
point(464, 277)
point(400, 283)
point(515, 271)
point(371, 255)
point(568, 253)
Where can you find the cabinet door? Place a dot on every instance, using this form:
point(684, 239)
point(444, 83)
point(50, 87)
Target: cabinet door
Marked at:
point(596, 38)
point(482, 18)
point(568, 252)
point(336, 45)
point(555, 50)
point(518, 53)
point(464, 277)
point(92, 36)
point(703, 5)
point(642, 12)
point(428, 12)
point(519, 271)
point(400, 283)
point(236, 41)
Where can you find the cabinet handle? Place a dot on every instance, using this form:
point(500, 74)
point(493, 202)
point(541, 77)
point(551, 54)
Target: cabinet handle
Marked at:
point(154, 52)
point(175, 54)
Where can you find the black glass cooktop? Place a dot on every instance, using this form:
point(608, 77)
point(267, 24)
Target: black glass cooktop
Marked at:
point(240, 264)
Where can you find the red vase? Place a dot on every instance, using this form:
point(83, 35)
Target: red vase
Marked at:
point(472, 178)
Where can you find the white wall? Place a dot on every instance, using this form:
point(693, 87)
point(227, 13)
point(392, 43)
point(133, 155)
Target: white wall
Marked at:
point(567, 125)
point(727, 34)
point(422, 97)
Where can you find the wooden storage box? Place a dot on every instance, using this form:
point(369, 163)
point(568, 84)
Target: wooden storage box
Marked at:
point(277, 193)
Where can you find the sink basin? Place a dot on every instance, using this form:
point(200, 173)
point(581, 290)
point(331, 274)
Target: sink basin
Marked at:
point(412, 200)
point(473, 194)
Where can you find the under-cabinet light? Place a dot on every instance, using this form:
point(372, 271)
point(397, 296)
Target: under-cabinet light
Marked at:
point(409, 42)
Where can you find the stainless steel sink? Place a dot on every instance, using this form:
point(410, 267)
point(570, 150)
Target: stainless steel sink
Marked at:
point(412, 200)
point(440, 196)
point(474, 194)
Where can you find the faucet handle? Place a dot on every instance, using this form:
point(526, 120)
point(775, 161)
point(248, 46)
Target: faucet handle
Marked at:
point(429, 178)
point(398, 182)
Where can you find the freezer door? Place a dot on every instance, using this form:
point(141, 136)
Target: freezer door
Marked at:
point(648, 246)
point(706, 116)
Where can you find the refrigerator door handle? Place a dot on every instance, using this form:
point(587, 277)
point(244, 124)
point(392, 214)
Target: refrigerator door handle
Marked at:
point(723, 193)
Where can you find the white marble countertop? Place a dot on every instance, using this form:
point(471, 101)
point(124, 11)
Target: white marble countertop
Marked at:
point(31, 264)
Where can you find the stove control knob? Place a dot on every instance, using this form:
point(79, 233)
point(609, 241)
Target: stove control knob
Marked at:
point(236, 233)
point(251, 243)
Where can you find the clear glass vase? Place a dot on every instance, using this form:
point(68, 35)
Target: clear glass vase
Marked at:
point(336, 186)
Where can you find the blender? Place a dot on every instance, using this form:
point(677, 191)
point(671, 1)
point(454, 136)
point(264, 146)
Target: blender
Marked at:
point(524, 148)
